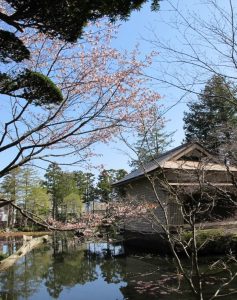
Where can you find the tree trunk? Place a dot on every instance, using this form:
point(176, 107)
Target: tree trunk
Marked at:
point(28, 245)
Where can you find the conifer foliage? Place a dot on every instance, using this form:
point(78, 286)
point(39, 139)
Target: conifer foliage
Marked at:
point(212, 118)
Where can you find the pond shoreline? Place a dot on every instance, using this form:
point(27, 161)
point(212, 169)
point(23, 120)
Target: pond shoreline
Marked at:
point(221, 238)
point(218, 241)
point(21, 233)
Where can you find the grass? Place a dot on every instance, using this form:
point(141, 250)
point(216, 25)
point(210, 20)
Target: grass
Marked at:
point(214, 241)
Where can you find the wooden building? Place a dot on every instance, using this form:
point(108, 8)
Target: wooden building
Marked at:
point(181, 176)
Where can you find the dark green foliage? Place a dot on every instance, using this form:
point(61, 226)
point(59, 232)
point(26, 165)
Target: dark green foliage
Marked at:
point(12, 48)
point(39, 88)
point(104, 185)
point(65, 194)
point(32, 86)
point(212, 118)
point(85, 185)
point(7, 83)
point(53, 181)
point(10, 191)
point(3, 256)
point(106, 178)
point(66, 19)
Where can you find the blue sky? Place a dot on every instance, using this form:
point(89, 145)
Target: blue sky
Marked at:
point(212, 50)
point(137, 30)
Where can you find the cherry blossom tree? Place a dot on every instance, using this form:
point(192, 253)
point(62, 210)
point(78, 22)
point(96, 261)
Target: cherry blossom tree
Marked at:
point(103, 91)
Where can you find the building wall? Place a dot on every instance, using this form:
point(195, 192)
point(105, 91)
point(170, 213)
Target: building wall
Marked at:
point(194, 176)
point(143, 190)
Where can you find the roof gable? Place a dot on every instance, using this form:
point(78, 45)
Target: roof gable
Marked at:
point(192, 152)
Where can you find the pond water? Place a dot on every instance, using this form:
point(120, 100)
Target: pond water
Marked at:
point(67, 269)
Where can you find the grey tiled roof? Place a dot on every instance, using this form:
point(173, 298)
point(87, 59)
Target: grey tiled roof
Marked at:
point(154, 164)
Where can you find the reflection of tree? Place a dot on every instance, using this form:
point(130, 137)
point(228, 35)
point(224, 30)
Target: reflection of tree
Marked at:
point(112, 270)
point(75, 269)
point(24, 278)
point(78, 267)
point(52, 283)
point(69, 264)
point(107, 257)
point(63, 242)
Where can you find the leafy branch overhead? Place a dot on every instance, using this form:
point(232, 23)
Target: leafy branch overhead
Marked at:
point(12, 48)
point(57, 19)
point(32, 86)
point(66, 19)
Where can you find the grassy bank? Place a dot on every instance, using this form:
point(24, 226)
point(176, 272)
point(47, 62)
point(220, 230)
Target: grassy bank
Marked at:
point(213, 241)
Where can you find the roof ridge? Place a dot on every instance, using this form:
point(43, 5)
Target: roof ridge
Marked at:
point(154, 163)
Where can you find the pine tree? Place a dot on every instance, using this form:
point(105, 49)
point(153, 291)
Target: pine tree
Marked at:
point(212, 118)
point(85, 185)
point(152, 140)
point(104, 185)
point(106, 178)
point(53, 177)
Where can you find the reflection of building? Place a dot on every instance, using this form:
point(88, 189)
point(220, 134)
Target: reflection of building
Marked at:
point(94, 207)
point(3, 216)
point(174, 179)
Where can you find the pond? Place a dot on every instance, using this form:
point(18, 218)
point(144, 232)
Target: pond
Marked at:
point(68, 269)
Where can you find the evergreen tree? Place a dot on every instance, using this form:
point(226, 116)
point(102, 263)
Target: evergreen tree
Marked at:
point(104, 186)
point(89, 193)
point(212, 118)
point(67, 185)
point(86, 185)
point(152, 140)
point(65, 19)
point(53, 181)
point(11, 185)
point(66, 195)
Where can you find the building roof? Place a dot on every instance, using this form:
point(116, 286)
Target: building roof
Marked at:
point(175, 159)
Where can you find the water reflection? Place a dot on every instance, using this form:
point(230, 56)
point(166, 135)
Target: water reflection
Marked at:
point(64, 270)
point(68, 269)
